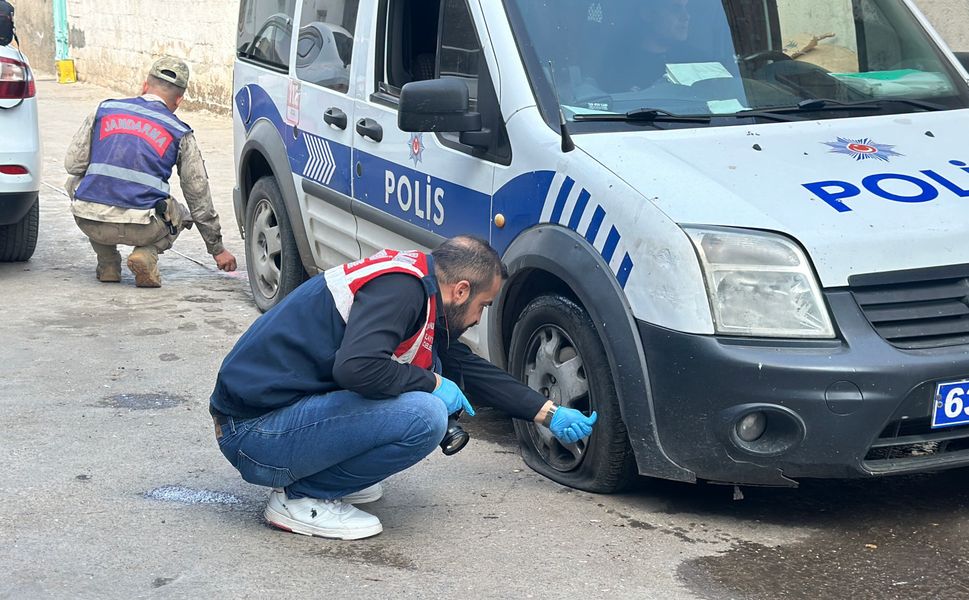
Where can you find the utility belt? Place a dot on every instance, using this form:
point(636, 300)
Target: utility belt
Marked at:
point(173, 215)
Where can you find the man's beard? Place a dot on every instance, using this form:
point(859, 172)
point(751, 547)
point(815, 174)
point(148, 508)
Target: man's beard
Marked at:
point(456, 319)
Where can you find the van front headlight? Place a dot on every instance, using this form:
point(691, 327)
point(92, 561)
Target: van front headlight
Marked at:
point(760, 285)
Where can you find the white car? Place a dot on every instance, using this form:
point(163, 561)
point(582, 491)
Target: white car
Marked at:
point(19, 158)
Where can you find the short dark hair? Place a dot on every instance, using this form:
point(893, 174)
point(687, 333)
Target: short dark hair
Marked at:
point(170, 89)
point(468, 258)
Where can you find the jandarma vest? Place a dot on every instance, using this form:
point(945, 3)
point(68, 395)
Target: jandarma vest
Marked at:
point(134, 147)
point(344, 281)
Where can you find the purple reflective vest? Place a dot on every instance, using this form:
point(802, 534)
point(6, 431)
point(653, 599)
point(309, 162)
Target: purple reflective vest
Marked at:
point(134, 147)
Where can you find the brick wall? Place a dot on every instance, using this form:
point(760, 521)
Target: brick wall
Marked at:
point(114, 42)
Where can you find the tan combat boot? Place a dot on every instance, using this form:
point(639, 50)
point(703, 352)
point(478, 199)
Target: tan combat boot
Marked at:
point(109, 263)
point(143, 262)
point(109, 271)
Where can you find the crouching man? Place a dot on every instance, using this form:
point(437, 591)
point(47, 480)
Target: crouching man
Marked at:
point(120, 161)
point(352, 377)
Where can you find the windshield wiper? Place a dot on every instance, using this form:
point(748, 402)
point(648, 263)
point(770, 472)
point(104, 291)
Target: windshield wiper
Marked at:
point(644, 115)
point(826, 104)
point(920, 104)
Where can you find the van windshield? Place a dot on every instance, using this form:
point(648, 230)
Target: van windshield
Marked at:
point(668, 58)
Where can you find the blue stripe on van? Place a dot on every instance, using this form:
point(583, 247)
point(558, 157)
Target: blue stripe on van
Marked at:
point(611, 243)
point(579, 210)
point(324, 161)
point(523, 198)
point(624, 270)
point(595, 224)
point(562, 198)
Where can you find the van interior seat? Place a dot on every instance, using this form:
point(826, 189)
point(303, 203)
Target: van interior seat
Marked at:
point(425, 65)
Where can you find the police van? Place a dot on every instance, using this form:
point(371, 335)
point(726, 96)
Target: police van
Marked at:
point(735, 228)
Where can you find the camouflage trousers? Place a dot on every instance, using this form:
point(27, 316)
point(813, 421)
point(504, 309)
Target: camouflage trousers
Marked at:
point(105, 237)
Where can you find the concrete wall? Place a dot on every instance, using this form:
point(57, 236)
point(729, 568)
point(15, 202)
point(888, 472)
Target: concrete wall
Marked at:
point(35, 28)
point(115, 41)
point(951, 20)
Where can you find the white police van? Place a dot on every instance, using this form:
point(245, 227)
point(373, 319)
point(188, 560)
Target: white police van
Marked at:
point(735, 228)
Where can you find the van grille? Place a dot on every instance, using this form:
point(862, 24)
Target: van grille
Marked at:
point(912, 440)
point(926, 308)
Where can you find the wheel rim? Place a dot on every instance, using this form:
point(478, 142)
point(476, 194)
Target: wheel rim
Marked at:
point(266, 249)
point(554, 367)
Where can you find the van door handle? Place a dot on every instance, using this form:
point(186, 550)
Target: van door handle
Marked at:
point(371, 129)
point(335, 117)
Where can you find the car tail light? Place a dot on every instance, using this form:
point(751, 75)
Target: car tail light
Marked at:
point(16, 82)
point(13, 170)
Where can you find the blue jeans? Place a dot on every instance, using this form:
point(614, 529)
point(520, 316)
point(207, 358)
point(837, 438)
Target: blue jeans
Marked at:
point(334, 444)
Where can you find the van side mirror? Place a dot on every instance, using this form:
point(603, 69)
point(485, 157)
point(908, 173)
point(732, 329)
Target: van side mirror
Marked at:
point(437, 105)
point(964, 59)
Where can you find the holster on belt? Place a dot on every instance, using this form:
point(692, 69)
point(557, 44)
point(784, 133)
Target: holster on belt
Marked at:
point(173, 214)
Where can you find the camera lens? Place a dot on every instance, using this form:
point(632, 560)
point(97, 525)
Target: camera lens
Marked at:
point(455, 438)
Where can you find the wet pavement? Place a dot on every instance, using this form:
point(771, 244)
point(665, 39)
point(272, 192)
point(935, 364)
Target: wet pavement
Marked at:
point(872, 540)
point(114, 487)
point(883, 539)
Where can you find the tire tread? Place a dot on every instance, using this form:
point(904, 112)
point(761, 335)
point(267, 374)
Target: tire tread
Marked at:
point(19, 240)
point(291, 274)
point(614, 465)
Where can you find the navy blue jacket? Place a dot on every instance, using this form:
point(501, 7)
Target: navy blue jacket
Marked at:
point(302, 347)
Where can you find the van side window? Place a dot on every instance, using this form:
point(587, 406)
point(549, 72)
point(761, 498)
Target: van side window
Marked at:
point(325, 45)
point(414, 48)
point(431, 39)
point(410, 44)
point(265, 31)
point(460, 48)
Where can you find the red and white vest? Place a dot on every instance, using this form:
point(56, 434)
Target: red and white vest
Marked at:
point(345, 280)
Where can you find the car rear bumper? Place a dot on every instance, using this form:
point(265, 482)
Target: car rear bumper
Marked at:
point(14, 206)
point(20, 147)
point(852, 407)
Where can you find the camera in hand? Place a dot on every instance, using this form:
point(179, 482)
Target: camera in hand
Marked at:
point(455, 438)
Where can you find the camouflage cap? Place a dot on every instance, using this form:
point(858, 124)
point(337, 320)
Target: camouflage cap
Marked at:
point(172, 70)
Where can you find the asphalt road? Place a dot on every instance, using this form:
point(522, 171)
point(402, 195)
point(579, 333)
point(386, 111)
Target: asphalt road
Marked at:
point(113, 487)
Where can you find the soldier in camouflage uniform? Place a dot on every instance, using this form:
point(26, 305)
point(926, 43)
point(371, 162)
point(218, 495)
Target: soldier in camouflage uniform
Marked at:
point(120, 161)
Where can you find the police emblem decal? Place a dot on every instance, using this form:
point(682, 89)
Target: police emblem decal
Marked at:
point(416, 148)
point(862, 149)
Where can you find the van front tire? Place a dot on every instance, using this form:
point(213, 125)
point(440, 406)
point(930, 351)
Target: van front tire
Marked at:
point(272, 258)
point(556, 350)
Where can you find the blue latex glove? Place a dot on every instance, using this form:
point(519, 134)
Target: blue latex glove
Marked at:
point(570, 425)
point(452, 396)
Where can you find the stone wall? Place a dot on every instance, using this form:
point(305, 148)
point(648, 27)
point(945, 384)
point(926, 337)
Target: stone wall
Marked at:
point(35, 28)
point(113, 42)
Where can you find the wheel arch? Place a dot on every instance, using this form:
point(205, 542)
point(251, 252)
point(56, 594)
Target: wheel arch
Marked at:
point(550, 258)
point(264, 154)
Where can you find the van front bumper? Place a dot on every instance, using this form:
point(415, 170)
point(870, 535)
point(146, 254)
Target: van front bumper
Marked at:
point(852, 407)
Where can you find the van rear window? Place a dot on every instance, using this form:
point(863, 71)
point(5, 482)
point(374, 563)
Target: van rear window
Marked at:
point(266, 31)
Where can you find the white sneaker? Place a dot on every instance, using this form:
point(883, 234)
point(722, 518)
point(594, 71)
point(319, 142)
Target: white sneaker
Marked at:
point(322, 518)
point(367, 494)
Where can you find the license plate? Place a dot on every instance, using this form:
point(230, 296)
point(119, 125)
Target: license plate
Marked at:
point(951, 404)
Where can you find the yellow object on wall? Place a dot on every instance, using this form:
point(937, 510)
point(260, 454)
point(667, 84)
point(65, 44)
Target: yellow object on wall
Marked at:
point(66, 72)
